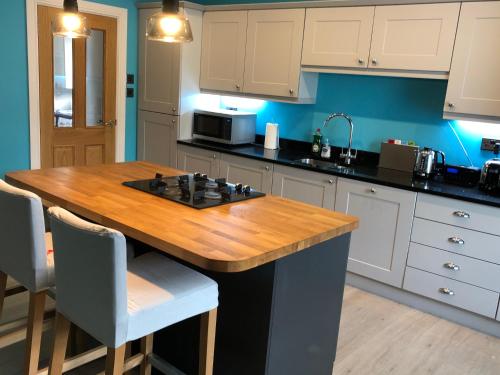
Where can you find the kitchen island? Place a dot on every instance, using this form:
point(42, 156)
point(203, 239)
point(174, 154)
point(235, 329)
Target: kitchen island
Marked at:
point(280, 265)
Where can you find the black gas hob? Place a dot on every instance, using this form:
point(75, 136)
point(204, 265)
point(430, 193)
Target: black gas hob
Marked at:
point(195, 190)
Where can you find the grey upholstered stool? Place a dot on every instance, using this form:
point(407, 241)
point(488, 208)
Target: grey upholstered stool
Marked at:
point(26, 256)
point(115, 305)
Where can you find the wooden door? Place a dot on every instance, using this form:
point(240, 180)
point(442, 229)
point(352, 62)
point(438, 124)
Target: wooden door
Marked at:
point(273, 52)
point(379, 247)
point(159, 71)
point(414, 37)
point(474, 84)
point(193, 160)
point(338, 37)
point(157, 138)
point(77, 93)
point(258, 174)
point(223, 50)
point(309, 187)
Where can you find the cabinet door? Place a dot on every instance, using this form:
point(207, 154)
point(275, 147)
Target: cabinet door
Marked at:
point(192, 159)
point(273, 52)
point(414, 37)
point(380, 246)
point(258, 174)
point(309, 187)
point(338, 36)
point(474, 84)
point(157, 138)
point(159, 71)
point(223, 50)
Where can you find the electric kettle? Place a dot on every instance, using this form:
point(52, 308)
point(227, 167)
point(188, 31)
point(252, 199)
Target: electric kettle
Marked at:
point(426, 165)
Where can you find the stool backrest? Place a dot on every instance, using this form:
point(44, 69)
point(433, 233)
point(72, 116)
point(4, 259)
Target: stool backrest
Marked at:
point(23, 255)
point(91, 276)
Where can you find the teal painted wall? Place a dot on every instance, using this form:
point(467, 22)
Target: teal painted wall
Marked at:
point(381, 108)
point(14, 110)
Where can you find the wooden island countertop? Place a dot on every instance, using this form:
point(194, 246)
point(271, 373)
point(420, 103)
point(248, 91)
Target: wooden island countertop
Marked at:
point(228, 238)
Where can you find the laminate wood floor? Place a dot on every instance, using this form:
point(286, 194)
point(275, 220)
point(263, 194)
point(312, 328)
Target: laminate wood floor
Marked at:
point(377, 337)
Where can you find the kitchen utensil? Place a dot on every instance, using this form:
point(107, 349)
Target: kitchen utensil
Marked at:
point(490, 176)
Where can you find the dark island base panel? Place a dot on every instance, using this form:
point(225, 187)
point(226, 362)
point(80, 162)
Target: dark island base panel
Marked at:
point(280, 318)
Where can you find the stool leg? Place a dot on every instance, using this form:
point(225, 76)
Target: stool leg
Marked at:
point(146, 349)
point(61, 334)
point(115, 360)
point(207, 342)
point(128, 354)
point(34, 332)
point(3, 287)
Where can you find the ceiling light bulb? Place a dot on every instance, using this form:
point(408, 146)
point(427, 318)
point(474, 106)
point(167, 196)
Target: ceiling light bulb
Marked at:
point(170, 24)
point(71, 21)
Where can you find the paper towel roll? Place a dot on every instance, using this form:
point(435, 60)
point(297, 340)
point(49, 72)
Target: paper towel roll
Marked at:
point(272, 141)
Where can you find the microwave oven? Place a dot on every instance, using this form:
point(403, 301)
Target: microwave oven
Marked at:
point(224, 126)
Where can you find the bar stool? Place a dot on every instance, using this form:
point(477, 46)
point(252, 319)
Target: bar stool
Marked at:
point(26, 256)
point(115, 305)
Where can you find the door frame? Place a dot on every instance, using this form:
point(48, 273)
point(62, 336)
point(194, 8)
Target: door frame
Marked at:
point(121, 15)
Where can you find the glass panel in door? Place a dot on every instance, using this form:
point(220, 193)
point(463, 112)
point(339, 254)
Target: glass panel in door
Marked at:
point(94, 78)
point(63, 82)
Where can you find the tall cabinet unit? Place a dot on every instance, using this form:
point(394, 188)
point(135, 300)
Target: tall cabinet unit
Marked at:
point(474, 83)
point(379, 247)
point(168, 82)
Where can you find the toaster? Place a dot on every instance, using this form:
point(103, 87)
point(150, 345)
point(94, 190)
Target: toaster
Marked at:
point(490, 176)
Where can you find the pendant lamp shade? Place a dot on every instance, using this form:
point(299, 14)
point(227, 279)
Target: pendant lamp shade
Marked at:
point(169, 25)
point(70, 23)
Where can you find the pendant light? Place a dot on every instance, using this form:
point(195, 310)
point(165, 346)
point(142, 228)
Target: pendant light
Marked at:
point(169, 25)
point(70, 23)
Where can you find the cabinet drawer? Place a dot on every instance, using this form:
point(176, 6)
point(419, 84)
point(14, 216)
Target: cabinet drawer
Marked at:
point(465, 296)
point(454, 266)
point(455, 212)
point(458, 240)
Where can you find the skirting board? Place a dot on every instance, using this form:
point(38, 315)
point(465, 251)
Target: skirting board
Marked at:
point(462, 317)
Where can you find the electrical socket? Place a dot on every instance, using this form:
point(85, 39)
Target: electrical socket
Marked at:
point(488, 144)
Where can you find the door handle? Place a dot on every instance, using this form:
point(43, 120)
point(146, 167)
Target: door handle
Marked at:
point(108, 124)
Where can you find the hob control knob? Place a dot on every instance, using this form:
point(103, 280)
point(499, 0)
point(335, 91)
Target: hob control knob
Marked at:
point(238, 187)
point(246, 189)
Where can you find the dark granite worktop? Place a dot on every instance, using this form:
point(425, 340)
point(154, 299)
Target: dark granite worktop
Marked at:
point(364, 168)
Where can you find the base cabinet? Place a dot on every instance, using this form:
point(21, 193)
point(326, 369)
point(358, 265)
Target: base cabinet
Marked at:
point(157, 138)
point(191, 159)
point(380, 246)
point(309, 187)
point(258, 174)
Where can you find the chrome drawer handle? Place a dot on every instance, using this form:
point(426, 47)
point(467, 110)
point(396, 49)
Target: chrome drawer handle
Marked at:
point(456, 240)
point(451, 266)
point(446, 291)
point(463, 214)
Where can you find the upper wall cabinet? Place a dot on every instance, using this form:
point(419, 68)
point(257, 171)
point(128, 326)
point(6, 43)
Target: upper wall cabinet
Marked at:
point(474, 83)
point(414, 37)
point(338, 37)
point(256, 53)
point(159, 71)
point(273, 52)
point(223, 51)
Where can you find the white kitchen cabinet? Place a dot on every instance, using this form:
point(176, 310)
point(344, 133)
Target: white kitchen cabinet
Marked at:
point(192, 159)
point(169, 72)
point(223, 50)
point(157, 138)
point(309, 187)
point(414, 37)
point(338, 37)
point(256, 173)
point(273, 52)
point(379, 247)
point(474, 83)
point(159, 71)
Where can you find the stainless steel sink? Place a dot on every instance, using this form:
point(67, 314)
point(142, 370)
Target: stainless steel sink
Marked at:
point(321, 164)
